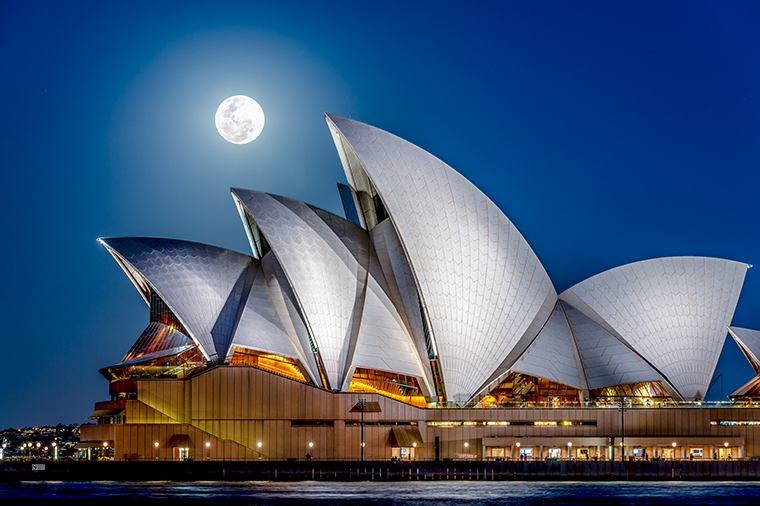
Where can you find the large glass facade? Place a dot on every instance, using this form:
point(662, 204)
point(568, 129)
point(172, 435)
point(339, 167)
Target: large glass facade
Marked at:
point(177, 365)
point(273, 363)
point(520, 389)
point(646, 393)
point(396, 386)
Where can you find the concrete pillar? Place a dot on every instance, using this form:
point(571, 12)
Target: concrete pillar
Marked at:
point(741, 452)
point(712, 452)
point(541, 452)
point(685, 449)
point(484, 452)
point(514, 448)
point(598, 451)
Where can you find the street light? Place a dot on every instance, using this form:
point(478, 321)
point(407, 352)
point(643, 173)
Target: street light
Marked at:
point(361, 405)
point(258, 445)
point(622, 427)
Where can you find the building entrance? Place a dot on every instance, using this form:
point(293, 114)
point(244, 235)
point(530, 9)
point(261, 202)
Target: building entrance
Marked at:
point(405, 453)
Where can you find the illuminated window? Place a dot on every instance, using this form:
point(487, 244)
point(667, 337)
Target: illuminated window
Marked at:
point(649, 392)
point(177, 365)
point(273, 363)
point(525, 390)
point(396, 386)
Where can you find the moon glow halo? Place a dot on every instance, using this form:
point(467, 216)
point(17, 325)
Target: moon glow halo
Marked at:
point(239, 119)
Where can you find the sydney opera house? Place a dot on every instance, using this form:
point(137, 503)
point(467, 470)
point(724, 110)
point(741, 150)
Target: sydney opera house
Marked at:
point(421, 326)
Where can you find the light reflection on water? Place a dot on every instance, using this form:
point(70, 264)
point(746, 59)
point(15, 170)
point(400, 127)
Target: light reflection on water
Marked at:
point(395, 493)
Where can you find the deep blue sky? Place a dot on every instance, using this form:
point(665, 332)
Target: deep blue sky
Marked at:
point(609, 132)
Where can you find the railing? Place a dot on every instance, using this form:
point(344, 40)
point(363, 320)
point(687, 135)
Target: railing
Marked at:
point(629, 404)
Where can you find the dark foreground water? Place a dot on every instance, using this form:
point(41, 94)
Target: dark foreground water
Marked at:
point(404, 493)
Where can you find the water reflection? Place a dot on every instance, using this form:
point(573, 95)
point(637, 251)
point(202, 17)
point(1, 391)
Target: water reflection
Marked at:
point(394, 493)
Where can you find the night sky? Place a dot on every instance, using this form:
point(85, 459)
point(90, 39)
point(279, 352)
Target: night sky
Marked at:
point(608, 132)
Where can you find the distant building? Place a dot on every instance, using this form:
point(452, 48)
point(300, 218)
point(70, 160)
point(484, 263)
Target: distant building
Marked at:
point(428, 304)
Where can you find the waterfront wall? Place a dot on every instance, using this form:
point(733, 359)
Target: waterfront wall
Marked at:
point(383, 471)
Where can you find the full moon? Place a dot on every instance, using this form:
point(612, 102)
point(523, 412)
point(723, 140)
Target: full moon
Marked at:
point(239, 119)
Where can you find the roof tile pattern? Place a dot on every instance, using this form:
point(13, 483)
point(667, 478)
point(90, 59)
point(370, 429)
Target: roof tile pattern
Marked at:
point(201, 284)
point(327, 261)
point(478, 278)
point(673, 310)
point(401, 287)
point(552, 355)
point(265, 324)
point(606, 360)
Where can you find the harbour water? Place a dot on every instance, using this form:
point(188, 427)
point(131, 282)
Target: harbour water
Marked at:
point(395, 493)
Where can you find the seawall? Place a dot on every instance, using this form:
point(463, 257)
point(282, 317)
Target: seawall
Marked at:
point(382, 470)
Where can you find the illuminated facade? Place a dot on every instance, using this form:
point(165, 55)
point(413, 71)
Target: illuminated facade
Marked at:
point(426, 300)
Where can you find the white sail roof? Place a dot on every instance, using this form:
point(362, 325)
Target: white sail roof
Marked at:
point(217, 294)
point(749, 342)
point(201, 284)
point(479, 281)
point(673, 311)
point(347, 309)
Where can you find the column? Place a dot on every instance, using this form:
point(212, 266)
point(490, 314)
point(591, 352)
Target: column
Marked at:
point(741, 452)
point(514, 447)
point(541, 452)
point(685, 449)
point(712, 452)
point(598, 451)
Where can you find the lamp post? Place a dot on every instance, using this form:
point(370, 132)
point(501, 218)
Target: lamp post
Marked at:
point(622, 428)
point(569, 450)
point(38, 449)
point(155, 446)
point(674, 450)
point(361, 405)
point(55, 450)
point(208, 445)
